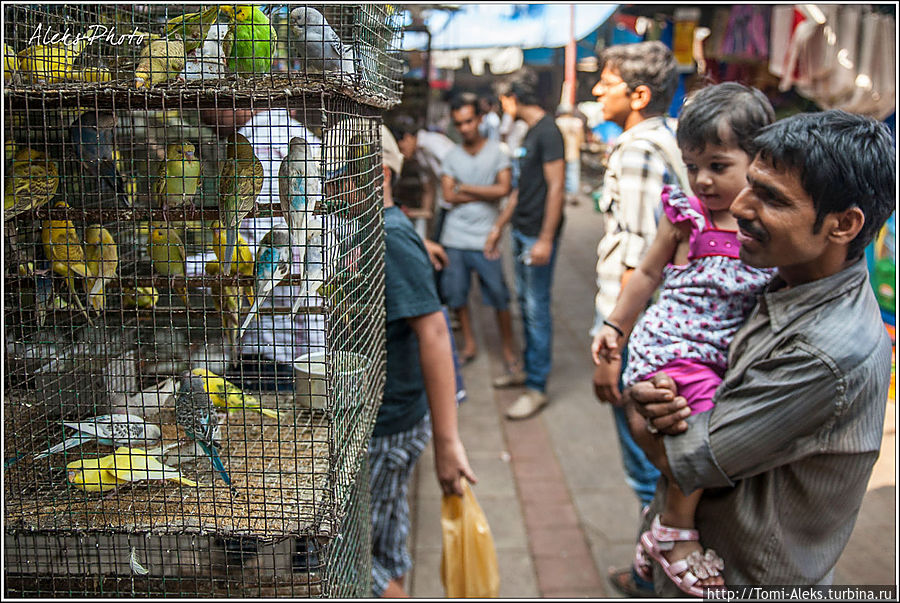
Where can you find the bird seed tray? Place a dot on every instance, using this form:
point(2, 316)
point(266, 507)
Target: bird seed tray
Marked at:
point(279, 468)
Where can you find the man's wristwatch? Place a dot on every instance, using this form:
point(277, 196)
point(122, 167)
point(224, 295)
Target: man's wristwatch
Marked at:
point(456, 188)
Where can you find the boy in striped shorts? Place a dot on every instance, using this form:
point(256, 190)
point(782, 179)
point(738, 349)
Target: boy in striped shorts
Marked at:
point(419, 393)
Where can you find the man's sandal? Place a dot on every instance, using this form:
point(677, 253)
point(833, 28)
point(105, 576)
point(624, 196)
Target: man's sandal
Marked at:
point(684, 573)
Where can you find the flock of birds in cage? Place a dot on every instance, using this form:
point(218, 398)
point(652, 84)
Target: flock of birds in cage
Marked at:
point(86, 268)
point(195, 46)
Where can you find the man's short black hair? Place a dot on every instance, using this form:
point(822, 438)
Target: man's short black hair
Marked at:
point(463, 99)
point(523, 86)
point(843, 161)
point(648, 64)
point(706, 113)
point(401, 126)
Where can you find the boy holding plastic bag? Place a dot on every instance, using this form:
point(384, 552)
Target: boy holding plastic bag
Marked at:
point(420, 390)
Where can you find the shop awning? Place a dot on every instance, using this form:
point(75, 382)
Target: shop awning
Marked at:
point(508, 25)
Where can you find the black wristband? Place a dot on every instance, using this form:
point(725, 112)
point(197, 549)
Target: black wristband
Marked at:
point(615, 328)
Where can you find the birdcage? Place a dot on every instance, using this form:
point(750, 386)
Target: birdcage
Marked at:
point(194, 283)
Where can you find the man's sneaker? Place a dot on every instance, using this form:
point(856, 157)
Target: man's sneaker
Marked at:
point(513, 377)
point(528, 404)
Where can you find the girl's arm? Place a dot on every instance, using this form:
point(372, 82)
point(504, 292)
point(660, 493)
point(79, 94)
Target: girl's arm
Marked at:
point(638, 290)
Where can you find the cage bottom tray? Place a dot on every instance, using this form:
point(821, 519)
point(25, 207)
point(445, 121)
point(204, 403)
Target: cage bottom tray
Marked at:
point(279, 468)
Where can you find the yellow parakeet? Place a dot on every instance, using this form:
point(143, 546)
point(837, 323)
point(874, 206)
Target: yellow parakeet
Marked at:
point(123, 466)
point(178, 176)
point(63, 248)
point(10, 64)
point(34, 181)
point(161, 60)
point(140, 297)
point(241, 258)
point(226, 394)
point(93, 475)
point(51, 63)
point(168, 255)
point(102, 257)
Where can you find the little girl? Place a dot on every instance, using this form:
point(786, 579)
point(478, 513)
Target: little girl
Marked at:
point(706, 295)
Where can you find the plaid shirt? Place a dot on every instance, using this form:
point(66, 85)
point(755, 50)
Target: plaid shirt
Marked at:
point(636, 172)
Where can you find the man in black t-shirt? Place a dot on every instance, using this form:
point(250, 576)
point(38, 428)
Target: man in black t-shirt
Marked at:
point(536, 212)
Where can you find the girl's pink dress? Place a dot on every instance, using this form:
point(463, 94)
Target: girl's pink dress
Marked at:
point(701, 306)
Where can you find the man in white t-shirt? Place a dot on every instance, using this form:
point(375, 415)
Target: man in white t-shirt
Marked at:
point(476, 177)
point(428, 149)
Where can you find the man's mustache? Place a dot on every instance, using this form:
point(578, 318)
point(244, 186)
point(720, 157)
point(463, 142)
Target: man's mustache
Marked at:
point(752, 230)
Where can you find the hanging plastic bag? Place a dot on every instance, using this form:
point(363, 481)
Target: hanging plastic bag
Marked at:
point(469, 560)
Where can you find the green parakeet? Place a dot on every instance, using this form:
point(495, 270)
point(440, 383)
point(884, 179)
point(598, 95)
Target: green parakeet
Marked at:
point(249, 43)
point(192, 28)
point(178, 176)
point(241, 180)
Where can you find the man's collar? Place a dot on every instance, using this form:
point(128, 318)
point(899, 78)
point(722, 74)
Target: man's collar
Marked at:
point(650, 123)
point(785, 305)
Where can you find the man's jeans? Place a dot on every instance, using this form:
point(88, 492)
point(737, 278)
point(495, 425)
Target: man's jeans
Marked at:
point(533, 285)
point(640, 473)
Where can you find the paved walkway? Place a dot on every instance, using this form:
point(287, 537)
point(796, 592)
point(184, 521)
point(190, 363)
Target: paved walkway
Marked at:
point(552, 486)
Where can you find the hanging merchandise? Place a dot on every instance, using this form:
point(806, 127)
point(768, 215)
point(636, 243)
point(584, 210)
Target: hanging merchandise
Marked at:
point(840, 56)
point(683, 41)
point(746, 36)
point(875, 83)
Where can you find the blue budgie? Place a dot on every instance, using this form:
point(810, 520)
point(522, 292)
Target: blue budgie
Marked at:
point(273, 263)
point(299, 189)
point(196, 414)
point(319, 46)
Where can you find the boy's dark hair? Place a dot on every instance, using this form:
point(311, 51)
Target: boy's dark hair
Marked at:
point(523, 86)
point(463, 99)
point(648, 64)
point(843, 161)
point(401, 126)
point(743, 109)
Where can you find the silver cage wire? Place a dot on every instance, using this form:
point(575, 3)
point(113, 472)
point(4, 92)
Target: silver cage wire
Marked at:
point(132, 358)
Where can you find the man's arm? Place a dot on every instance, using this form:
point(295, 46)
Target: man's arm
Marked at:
point(771, 418)
point(454, 195)
point(436, 357)
point(493, 192)
point(555, 177)
point(490, 245)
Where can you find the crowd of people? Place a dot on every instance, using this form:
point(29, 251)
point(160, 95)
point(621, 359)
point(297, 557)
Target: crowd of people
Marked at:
point(736, 337)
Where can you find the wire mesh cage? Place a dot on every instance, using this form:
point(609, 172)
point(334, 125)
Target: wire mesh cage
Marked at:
point(194, 317)
point(194, 49)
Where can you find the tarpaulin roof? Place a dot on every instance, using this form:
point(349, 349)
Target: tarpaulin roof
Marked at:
point(505, 25)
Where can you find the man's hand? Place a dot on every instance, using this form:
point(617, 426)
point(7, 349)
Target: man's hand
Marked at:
point(491, 251)
point(540, 252)
point(658, 401)
point(437, 254)
point(606, 381)
point(450, 464)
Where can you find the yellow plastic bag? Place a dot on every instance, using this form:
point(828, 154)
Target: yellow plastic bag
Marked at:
point(469, 560)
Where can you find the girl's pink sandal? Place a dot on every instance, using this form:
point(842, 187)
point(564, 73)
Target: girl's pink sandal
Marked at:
point(684, 573)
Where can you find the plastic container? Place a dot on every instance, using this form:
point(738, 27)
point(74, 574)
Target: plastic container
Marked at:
point(311, 378)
